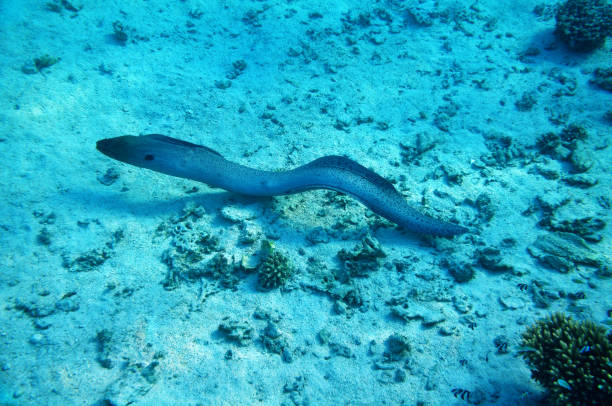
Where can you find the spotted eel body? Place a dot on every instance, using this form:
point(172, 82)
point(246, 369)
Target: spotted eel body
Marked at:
point(186, 160)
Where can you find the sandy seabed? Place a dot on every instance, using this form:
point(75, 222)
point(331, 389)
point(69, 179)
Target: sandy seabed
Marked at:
point(124, 286)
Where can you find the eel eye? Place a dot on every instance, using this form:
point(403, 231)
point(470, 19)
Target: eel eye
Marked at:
point(149, 157)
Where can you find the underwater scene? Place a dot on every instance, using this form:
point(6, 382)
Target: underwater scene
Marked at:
point(303, 203)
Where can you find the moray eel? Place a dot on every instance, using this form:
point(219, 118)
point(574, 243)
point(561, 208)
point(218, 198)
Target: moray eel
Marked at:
point(186, 160)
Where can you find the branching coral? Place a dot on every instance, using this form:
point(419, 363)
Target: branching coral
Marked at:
point(572, 360)
point(275, 270)
point(584, 24)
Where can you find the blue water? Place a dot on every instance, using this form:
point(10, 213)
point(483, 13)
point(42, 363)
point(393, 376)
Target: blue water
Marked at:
point(125, 286)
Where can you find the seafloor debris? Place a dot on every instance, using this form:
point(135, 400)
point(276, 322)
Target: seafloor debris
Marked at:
point(564, 252)
point(362, 259)
point(492, 260)
point(110, 176)
point(222, 269)
point(119, 33)
point(429, 315)
point(412, 153)
point(602, 78)
point(504, 151)
point(88, 261)
point(335, 348)
point(511, 301)
point(240, 332)
point(581, 181)
point(57, 5)
point(462, 272)
point(589, 227)
point(274, 341)
point(526, 102)
point(103, 346)
point(39, 63)
point(239, 214)
point(191, 245)
point(135, 381)
point(397, 347)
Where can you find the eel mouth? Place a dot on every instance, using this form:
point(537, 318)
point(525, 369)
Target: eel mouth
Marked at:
point(107, 146)
point(124, 148)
